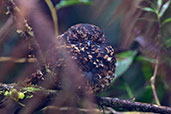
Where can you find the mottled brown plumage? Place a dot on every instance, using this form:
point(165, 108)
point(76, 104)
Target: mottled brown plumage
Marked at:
point(88, 47)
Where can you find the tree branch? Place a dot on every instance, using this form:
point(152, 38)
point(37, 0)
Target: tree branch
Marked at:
point(114, 103)
point(126, 105)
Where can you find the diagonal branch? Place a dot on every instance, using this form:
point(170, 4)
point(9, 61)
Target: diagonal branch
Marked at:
point(6, 29)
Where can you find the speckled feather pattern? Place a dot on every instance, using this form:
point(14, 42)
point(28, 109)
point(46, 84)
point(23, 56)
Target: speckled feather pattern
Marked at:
point(88, 47)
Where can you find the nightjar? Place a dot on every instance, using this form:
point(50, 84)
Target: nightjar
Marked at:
point(88, 47)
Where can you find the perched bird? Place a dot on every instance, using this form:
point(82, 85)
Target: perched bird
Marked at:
point(88, 47)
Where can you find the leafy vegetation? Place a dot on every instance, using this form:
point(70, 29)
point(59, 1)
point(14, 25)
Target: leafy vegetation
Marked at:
point(142, 73)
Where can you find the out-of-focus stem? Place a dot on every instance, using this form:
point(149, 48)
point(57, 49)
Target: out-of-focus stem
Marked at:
point(54, 15)
point(17, 60)
point(153, 78)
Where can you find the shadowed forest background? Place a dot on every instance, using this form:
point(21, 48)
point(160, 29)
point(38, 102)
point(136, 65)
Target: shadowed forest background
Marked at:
point(138, 30)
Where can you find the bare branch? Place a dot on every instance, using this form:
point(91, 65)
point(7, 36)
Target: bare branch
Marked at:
point(113, 103)
point(153, 78)
point(18, 60)
point(126, 105)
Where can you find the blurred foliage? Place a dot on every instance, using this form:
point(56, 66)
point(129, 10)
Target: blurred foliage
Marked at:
point(65, 3)
point(124, 60)
point(133, 68)
point(159, 8)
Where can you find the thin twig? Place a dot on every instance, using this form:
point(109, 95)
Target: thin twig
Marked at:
point(152, 80)
point(82, 110)
point(28, 32)
point(18, 60)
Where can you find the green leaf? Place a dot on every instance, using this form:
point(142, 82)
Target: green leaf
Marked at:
point(153, 5)
point(164, 8)
point(124, 60)
point(65, 3)
point(30, 89)
point(159, 3)
point(166, 21)
point(149, 10)
point(143, 58)
point(147, 70)
point(128, 89)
